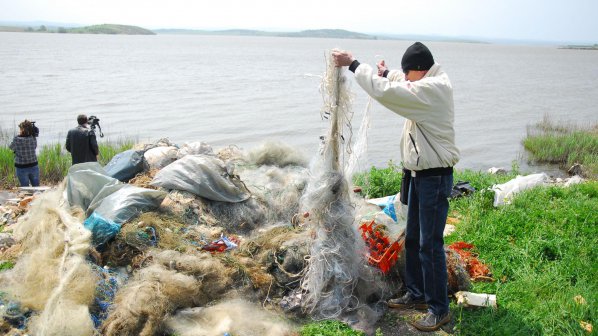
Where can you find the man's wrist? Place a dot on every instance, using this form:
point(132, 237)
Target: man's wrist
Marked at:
point(354, 65)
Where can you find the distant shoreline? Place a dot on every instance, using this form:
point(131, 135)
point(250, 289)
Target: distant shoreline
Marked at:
point(115, 29)
point(581, 47)
point(110, 29)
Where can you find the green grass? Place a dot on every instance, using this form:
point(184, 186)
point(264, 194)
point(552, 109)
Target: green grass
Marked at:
point(564, 145)
point(541, 250)
point(110, 149)
point(380, 182)
point(6, 265)
point(54, 161)
point(8, 175)
point(328, 328)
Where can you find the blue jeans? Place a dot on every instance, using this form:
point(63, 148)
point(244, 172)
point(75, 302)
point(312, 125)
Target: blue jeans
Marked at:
point(425, 264)
point(27, 175)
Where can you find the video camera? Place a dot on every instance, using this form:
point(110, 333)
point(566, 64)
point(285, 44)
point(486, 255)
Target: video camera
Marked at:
point(94, 122)
point(34, 129)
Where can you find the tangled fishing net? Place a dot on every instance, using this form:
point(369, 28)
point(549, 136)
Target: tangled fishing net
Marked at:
point(336, 265)
point(235, 317)
point(52, 276)
point(171, 281)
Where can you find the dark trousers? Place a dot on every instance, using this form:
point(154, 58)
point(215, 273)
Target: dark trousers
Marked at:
point(426, 273)
point(27, 175)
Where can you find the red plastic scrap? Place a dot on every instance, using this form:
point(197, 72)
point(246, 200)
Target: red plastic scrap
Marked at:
point(382, 253)
point(221, 245)
point(475, 268)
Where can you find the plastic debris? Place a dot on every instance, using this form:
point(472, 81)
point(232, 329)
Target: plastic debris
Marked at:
point(576, 169)
point(469, 299)
point(580, 300)
point(382, 253)
point(161, 156)
point(476, 269)
point(448, 229)
point(461, 189)
point(221, 245)
point(573, 180)
point(497, 171)
point(505, 192)
point(586, 326)
point(202, 175)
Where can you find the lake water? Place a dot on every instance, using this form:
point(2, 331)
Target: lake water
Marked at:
point(245, 90)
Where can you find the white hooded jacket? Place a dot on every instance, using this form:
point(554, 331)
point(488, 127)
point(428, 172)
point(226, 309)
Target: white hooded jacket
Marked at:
point(428, 139)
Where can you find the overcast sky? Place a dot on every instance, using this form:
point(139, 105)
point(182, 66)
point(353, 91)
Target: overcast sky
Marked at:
point(545, 20)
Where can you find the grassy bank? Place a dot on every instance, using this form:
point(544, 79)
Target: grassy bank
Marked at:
point(541, 250)
point(54, 161)
point(564, 145)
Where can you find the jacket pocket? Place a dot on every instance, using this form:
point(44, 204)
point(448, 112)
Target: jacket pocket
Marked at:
point(414, 147)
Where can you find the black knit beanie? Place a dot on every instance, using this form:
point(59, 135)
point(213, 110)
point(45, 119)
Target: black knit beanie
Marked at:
point(417, 57)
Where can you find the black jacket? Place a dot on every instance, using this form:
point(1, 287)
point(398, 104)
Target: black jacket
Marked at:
point(81, 143)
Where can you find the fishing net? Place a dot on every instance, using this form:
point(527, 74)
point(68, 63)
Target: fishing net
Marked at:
point(234, 317)
point(275, 176)
point(171, 281)
point(275, 153)
point(337, 284)
point(280, 251)
point(52, 276)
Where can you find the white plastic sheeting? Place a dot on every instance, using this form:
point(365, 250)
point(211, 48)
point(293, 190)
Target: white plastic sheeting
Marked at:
point(202, 175)
point(160, 157)
point(504, 193)
point(194, 148)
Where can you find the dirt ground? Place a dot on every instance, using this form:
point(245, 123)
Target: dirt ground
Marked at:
point(397, 323)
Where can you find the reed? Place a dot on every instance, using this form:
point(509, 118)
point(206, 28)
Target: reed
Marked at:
point(565, 145)
point(8, 177)
point(110, 149)
point(54, 161)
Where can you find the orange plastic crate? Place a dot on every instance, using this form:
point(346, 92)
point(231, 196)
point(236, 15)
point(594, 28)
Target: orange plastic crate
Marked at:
point(382, 253)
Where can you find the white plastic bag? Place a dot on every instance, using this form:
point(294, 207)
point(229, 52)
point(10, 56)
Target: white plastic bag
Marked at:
point(194, 148)
point(160, 157)
point(504, 193)
point(203, 175)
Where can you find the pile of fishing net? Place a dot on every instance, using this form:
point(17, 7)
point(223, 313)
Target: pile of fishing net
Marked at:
point(266, 236)
point(52, 276)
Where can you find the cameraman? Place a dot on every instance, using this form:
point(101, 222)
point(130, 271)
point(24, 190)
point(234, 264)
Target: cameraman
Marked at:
point(24, 145)
point(81, 142)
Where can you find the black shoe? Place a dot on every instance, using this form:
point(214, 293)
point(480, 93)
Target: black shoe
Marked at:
point(407, 302)
point(432, 322)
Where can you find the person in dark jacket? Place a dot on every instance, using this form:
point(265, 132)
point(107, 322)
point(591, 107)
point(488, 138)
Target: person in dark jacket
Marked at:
point(24, 145)
point(81, 142)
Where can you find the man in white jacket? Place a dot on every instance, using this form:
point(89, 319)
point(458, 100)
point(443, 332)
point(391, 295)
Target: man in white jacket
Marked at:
point(423, 94)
